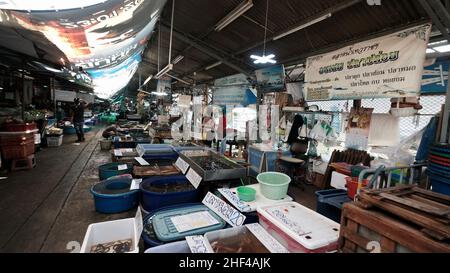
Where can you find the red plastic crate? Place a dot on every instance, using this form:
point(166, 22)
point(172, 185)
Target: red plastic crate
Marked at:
point(19, 127)
point(18, 151)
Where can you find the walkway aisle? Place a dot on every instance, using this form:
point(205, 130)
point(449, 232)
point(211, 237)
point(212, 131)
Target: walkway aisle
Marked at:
point(32, 201)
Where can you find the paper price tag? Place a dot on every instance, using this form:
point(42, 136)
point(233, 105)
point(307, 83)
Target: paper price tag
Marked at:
point(225, 211)
point(141, 161)
point(135, 184)
point(266, 239)
point(182, 165)
point(194, 178)
point(117, 152)
point(234, 200)
point(198, 244)
point(122, 167)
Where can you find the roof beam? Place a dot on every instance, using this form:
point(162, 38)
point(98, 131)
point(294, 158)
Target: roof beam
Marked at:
point(435, 19)
point(190, 40)
point(441, 11)
point(302, 57)
point(333, 9)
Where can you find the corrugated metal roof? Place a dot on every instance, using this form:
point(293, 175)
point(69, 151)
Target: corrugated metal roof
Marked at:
point(198, 17)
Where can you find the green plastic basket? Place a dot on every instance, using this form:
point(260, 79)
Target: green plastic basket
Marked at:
point(274, 185)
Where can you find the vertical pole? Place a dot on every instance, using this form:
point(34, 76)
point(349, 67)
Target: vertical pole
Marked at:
point(53, 92)
point(445, 115)
point(23, 92)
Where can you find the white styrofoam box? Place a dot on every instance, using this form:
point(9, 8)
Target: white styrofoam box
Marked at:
point(260, 199)
point(310, 230)
point(271, 245)
point(174, 247)
point(338, 181)
point(110, 231)
point(319, 166)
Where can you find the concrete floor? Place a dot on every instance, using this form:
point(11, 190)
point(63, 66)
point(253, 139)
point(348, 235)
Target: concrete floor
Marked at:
point(46, 208)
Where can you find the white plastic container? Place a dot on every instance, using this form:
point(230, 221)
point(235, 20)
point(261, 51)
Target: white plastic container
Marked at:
point(105, 232)
point(247, 239)
point(54, 141)
point(175, 247)
point(300, 229)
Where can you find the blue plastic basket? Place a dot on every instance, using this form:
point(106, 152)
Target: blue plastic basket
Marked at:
point(154, 200)
point(111, 169)
point(329, 203)
point(165, 230)
point(149, 235)
point(114, 202)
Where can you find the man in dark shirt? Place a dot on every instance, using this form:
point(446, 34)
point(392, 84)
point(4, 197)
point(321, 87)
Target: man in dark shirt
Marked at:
point(78, 118)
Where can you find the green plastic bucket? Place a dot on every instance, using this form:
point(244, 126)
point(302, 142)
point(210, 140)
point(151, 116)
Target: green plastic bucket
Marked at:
point(274, 185)
point(246, 194)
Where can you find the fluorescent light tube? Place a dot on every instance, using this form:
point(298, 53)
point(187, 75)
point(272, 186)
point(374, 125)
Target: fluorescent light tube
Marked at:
point(234, 14)
point(147, 80)
point(312, 22)
point(177, 59)
point(442, 49)
point(213, 65)
point(163, 71)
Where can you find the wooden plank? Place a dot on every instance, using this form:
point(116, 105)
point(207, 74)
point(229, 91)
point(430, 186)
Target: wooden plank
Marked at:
point(389, 245)
point(395, 230)
point(430, 202)
point(361, 241)
point(411, 216)
point(441, 197)
point(376, 200)
point(419, 206)
point(389, 190)
point(353, 226)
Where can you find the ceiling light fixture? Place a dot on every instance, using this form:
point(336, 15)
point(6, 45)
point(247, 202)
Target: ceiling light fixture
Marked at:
point(177, 59)
point(147, 80)
point(263, 59)
point(442, 49)
point(295, 29)
point(213, 65)
point(159, 94)
point(269, 58)
point(233, 15)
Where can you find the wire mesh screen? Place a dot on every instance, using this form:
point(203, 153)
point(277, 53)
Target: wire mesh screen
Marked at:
point(408, 125)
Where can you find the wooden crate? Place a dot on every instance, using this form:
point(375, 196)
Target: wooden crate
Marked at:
point(361, 229)
point(426, 209)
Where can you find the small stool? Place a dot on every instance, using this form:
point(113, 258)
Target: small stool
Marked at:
point(26, 163)
point(293, 167)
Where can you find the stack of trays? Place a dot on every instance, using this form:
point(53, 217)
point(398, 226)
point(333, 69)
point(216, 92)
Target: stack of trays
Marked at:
point(439, 168)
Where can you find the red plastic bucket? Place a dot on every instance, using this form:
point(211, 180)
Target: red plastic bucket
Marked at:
point(352, 186)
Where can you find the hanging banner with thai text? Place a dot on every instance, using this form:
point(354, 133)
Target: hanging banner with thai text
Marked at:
point(389, 66)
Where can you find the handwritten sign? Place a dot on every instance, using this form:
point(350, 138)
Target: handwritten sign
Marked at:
point(198, 244)
point(122, 167)
point(225, 211)
point(234, 200)
point(141, 161)
point(194, 178)
point(182, 165)
point(266, 239)
point(117, 152)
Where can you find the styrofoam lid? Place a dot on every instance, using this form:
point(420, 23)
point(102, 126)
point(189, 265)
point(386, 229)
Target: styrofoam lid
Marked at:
point(139, 227)
point(309, 228)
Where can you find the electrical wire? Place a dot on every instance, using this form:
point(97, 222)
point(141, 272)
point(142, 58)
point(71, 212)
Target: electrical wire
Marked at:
point(171, 31)
point(265, 29)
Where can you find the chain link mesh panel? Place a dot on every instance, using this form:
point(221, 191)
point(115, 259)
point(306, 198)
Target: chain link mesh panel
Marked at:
point(408, 125)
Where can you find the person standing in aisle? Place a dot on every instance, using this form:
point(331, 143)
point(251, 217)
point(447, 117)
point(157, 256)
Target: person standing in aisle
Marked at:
point(78, 118)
